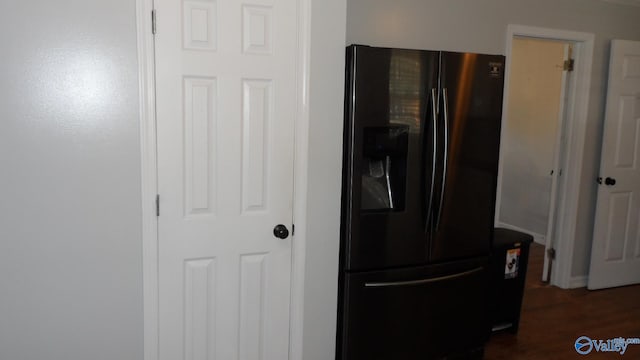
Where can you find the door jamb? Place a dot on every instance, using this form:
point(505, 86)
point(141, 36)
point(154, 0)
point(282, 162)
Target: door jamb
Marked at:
point(300, 181)
point(578, 103)
point(568, 86)
point(149, 179)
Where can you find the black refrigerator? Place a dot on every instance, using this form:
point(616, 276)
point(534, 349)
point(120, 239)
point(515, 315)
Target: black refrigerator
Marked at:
point(421, 144)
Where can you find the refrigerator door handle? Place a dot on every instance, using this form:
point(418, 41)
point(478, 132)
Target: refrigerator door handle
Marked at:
point(387, 170)
point(423, 281)
point(434, 116)
point(445, 111)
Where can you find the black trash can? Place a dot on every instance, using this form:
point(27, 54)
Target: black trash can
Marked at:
point(508, 264)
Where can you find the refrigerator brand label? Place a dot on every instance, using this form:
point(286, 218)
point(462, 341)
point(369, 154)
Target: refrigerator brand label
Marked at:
point(495, 69)
point(511, 263)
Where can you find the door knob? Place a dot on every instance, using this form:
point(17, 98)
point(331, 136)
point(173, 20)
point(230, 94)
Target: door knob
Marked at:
point(280, 231)
point(608, 181)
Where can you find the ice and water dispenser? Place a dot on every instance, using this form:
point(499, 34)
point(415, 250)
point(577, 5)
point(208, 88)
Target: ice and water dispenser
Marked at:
point(384, 168)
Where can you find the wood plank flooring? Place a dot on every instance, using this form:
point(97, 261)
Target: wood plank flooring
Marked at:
point(552, 319)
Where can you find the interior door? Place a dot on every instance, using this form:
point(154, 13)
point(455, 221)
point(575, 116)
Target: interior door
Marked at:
point(615, 254)
point(226, 101)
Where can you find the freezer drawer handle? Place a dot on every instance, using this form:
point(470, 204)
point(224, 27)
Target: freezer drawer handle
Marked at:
point(423, 281)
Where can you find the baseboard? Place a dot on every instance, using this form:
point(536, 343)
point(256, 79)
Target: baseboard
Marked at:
point(578, 281)
point(537, 238)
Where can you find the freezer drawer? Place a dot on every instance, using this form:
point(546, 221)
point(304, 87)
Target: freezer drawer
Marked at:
point(431, 312)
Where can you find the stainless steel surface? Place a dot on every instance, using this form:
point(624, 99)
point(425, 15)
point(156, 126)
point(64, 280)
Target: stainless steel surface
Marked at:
point(423, 281)
point(434, 116)
point(445, 111)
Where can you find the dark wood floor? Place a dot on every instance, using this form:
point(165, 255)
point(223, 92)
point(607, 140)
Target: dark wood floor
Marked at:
point(552, 319)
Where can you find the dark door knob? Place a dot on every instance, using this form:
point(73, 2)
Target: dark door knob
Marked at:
point(281, 231)
point(609, 181)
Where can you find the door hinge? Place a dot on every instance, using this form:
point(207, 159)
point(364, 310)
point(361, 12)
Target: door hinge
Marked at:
point(568, 65)
point(153, 21)
point(551, 253)
point(293, 229)
point(157, 205)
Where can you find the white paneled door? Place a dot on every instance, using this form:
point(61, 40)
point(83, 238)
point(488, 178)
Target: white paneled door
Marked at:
point(226, 101)
point(615, 255)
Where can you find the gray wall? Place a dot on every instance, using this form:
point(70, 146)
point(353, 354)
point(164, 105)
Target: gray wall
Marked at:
point(480, 26)
point(70, 222)
point(70, 238)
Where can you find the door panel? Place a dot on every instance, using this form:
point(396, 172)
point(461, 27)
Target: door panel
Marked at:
point(383, 184)
point(615, 255)
point(472, 87)
point(429, 312)
point(226, 101)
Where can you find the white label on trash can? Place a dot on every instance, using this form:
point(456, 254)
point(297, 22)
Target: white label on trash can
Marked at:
point(511, 264)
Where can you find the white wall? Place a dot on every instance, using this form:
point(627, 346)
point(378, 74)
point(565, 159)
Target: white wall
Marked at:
point(70, 241)
point(530, 132)
point(480, 26)
point(70, 223)
point(326, 89)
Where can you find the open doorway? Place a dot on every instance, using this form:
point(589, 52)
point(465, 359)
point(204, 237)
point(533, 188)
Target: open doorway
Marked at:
point(533, 142)
point(546, 99)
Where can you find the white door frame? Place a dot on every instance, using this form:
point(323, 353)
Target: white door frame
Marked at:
point(149, 180)
point(567, 88)
point(577, 111)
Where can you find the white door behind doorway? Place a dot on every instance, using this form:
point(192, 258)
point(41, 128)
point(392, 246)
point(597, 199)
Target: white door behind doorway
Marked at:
point(615, 253)
point(531, 136)
point(226, 102)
